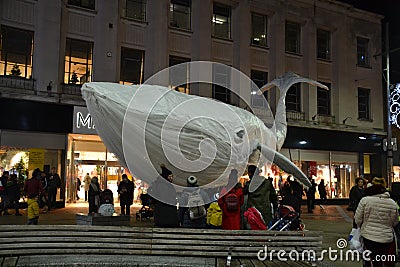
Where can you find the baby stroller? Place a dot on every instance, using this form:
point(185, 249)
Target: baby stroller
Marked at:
point(146, 211)
point(288, 220)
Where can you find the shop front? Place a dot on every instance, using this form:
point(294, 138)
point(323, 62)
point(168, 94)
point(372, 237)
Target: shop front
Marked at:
point(86, 154)
point(335, 157)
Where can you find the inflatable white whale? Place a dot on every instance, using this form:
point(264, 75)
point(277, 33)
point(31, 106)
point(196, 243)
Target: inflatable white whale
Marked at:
point(191, 135)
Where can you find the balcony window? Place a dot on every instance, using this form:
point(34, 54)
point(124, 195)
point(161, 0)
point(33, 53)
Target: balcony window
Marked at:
point(259, 29)
point(132, 66)
point(260, 79)
point(292, 37)
point(323, 44)
point(293, 98)
point(222, 76)
point(136, 9)
point(78, 62)
point(179, 78)
point(221, 21)
point(179, 14)
point(362, 52)
point(363, 104)
point(324, 100)
point(16, 52)
point(89, 4)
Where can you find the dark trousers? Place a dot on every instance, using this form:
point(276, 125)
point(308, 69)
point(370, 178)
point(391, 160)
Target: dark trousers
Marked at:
point(51, 201)
point(380, 249)
point(33, 221)
point(128, 209)
point(310, 204)
point(86, 195)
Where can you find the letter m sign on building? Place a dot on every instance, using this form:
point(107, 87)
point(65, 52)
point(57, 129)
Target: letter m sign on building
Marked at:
point(83, 122)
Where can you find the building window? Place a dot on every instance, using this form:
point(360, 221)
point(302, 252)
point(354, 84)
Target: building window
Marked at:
point(363, 103)
point(89, 4)
point(324, 100)
point(180, 76)
point(16, 52)
point(323, 44)
point(221, 21)
point(260, 79)
point(292, 37)
point(259, 29)
point(136, 9)
point(293, 98)
point(222, 76)
point(132, 63)
point(179, 14)
point(78, 62)
point(362, 52)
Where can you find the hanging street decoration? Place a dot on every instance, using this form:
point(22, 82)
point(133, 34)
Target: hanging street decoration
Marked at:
point(395, 105)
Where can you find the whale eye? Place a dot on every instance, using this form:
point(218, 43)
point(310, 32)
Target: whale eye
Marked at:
point(240, 134)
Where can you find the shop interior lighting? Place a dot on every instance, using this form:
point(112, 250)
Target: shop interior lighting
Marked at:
point(362, 138)
point(303, 142)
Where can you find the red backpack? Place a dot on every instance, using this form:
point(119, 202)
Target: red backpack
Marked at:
point(232, 201)
point(254, 219)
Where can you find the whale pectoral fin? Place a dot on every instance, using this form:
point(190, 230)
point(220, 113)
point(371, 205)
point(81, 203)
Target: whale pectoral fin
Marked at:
point(286, 165)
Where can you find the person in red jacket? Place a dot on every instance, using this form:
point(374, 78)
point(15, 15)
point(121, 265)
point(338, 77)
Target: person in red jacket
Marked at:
point(230, 200)
point(34, 186)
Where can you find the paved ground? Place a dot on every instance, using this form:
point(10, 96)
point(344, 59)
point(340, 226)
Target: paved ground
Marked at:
point(333, 220)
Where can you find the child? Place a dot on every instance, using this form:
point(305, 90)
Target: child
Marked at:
point(33, 209)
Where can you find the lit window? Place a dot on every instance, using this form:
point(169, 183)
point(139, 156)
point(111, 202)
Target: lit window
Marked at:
point(180, 14)
point(324, 100)
point(363, 103)
point(293, 98)
point(323, 44)
point(78, 62)
point(221, 21)
point(259, 29)
point(132, 63)
point(180, 76)
point(89, 4)
point(260, 79)
point(362, 52)
point(222, 76)
point(292, 37)
point(16, 52)
point(136, 9)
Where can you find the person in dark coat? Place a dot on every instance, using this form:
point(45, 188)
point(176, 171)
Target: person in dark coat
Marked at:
point(94, 195)
point(261, 194)
point(164, 195)
point(356, 193)
point(3, 193)
point(231, 220)
point(322, 192)
point(13, 194)
point(297, 190)
point(125, 190)
point(53, 183)
point(311, 196)
point(288, 198)
point(184, 212)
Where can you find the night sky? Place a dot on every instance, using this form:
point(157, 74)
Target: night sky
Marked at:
point(391, 10)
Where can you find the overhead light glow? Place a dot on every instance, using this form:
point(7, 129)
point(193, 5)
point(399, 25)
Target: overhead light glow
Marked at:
point(303, 142)
point(362, 138)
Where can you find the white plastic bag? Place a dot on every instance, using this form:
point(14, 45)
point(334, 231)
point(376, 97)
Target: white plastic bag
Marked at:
point(355, 240)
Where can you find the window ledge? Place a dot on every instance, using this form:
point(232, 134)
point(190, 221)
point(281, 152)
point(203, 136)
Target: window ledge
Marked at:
point(180, 31)
point(226, 40)
point(293, 54)
point(135, 21)
point(365, 120)
point(259, 47)
point(323, 60)
point(83, 9)
point(364, 66)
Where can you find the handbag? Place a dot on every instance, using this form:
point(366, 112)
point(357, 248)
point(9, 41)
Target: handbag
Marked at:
point(355, 240)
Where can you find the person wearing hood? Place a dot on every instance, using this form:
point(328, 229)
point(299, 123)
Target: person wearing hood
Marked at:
point(184, 212)
point(94, 195)
point(376, 215)
point(162, 190)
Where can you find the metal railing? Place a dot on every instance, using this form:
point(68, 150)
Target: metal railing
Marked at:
point(296, 116)
point(71, 89)
point(17, 82)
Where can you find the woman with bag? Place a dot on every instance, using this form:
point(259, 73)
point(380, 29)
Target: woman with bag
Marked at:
point(356, 193)
point(376, 216)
